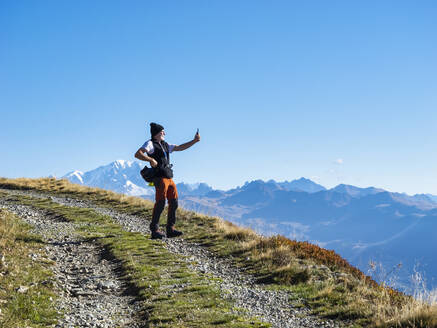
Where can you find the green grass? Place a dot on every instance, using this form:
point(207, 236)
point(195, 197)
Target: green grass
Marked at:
point(173, 295)
point(35, 307)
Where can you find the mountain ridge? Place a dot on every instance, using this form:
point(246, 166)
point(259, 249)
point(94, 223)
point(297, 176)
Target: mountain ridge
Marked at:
point(96, 178)
point(359, 223)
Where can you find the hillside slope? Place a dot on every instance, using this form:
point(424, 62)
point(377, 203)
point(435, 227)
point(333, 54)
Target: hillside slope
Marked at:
point(216, 266)
point(361, 224)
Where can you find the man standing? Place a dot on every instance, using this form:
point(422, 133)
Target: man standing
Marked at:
point(157, 152)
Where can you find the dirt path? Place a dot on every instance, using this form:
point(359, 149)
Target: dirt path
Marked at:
point(91, 291)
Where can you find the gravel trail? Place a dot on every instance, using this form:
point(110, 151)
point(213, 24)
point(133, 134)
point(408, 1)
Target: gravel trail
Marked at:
point(270, 306)
point(91, 293)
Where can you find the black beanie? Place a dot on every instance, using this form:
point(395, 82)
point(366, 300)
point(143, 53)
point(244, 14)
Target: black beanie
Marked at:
point(155, 129)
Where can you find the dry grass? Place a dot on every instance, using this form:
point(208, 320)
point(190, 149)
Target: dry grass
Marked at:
point(420, 311)
point(328, 282)
point(281, 251)
point(63, 186)
point(234, 232)
point(414, 314)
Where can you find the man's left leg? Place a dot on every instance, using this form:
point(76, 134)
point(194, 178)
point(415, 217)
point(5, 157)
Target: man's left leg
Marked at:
point(160, 193)
point(172, 196)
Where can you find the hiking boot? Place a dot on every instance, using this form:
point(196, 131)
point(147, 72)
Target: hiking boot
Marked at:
point(174, 233)
point(157, 235)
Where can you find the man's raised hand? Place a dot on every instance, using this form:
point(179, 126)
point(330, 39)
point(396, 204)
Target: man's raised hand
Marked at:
point(197, 136)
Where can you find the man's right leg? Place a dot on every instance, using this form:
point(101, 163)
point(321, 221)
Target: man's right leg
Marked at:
point(160, 189)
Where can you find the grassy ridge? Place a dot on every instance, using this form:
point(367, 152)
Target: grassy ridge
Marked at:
point(26, 299)
point(172, 294)
point(320, 278)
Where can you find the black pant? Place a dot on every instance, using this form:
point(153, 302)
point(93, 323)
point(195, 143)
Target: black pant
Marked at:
point(157, 210)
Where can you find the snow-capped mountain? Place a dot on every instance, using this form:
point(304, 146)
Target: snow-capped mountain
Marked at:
point(74, 177)
point(124, 177)
point(120, 176)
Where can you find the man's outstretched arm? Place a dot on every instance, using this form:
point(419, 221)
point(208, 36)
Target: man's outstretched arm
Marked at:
point(187, 144)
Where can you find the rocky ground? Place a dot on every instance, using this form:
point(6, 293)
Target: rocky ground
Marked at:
point(92, 293)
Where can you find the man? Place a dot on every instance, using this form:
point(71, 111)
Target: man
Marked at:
point(157, 152)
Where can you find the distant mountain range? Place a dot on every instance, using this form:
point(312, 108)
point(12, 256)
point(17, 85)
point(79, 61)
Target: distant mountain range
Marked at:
point(361, 224)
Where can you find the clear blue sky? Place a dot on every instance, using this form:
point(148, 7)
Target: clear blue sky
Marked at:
point(335, 91)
